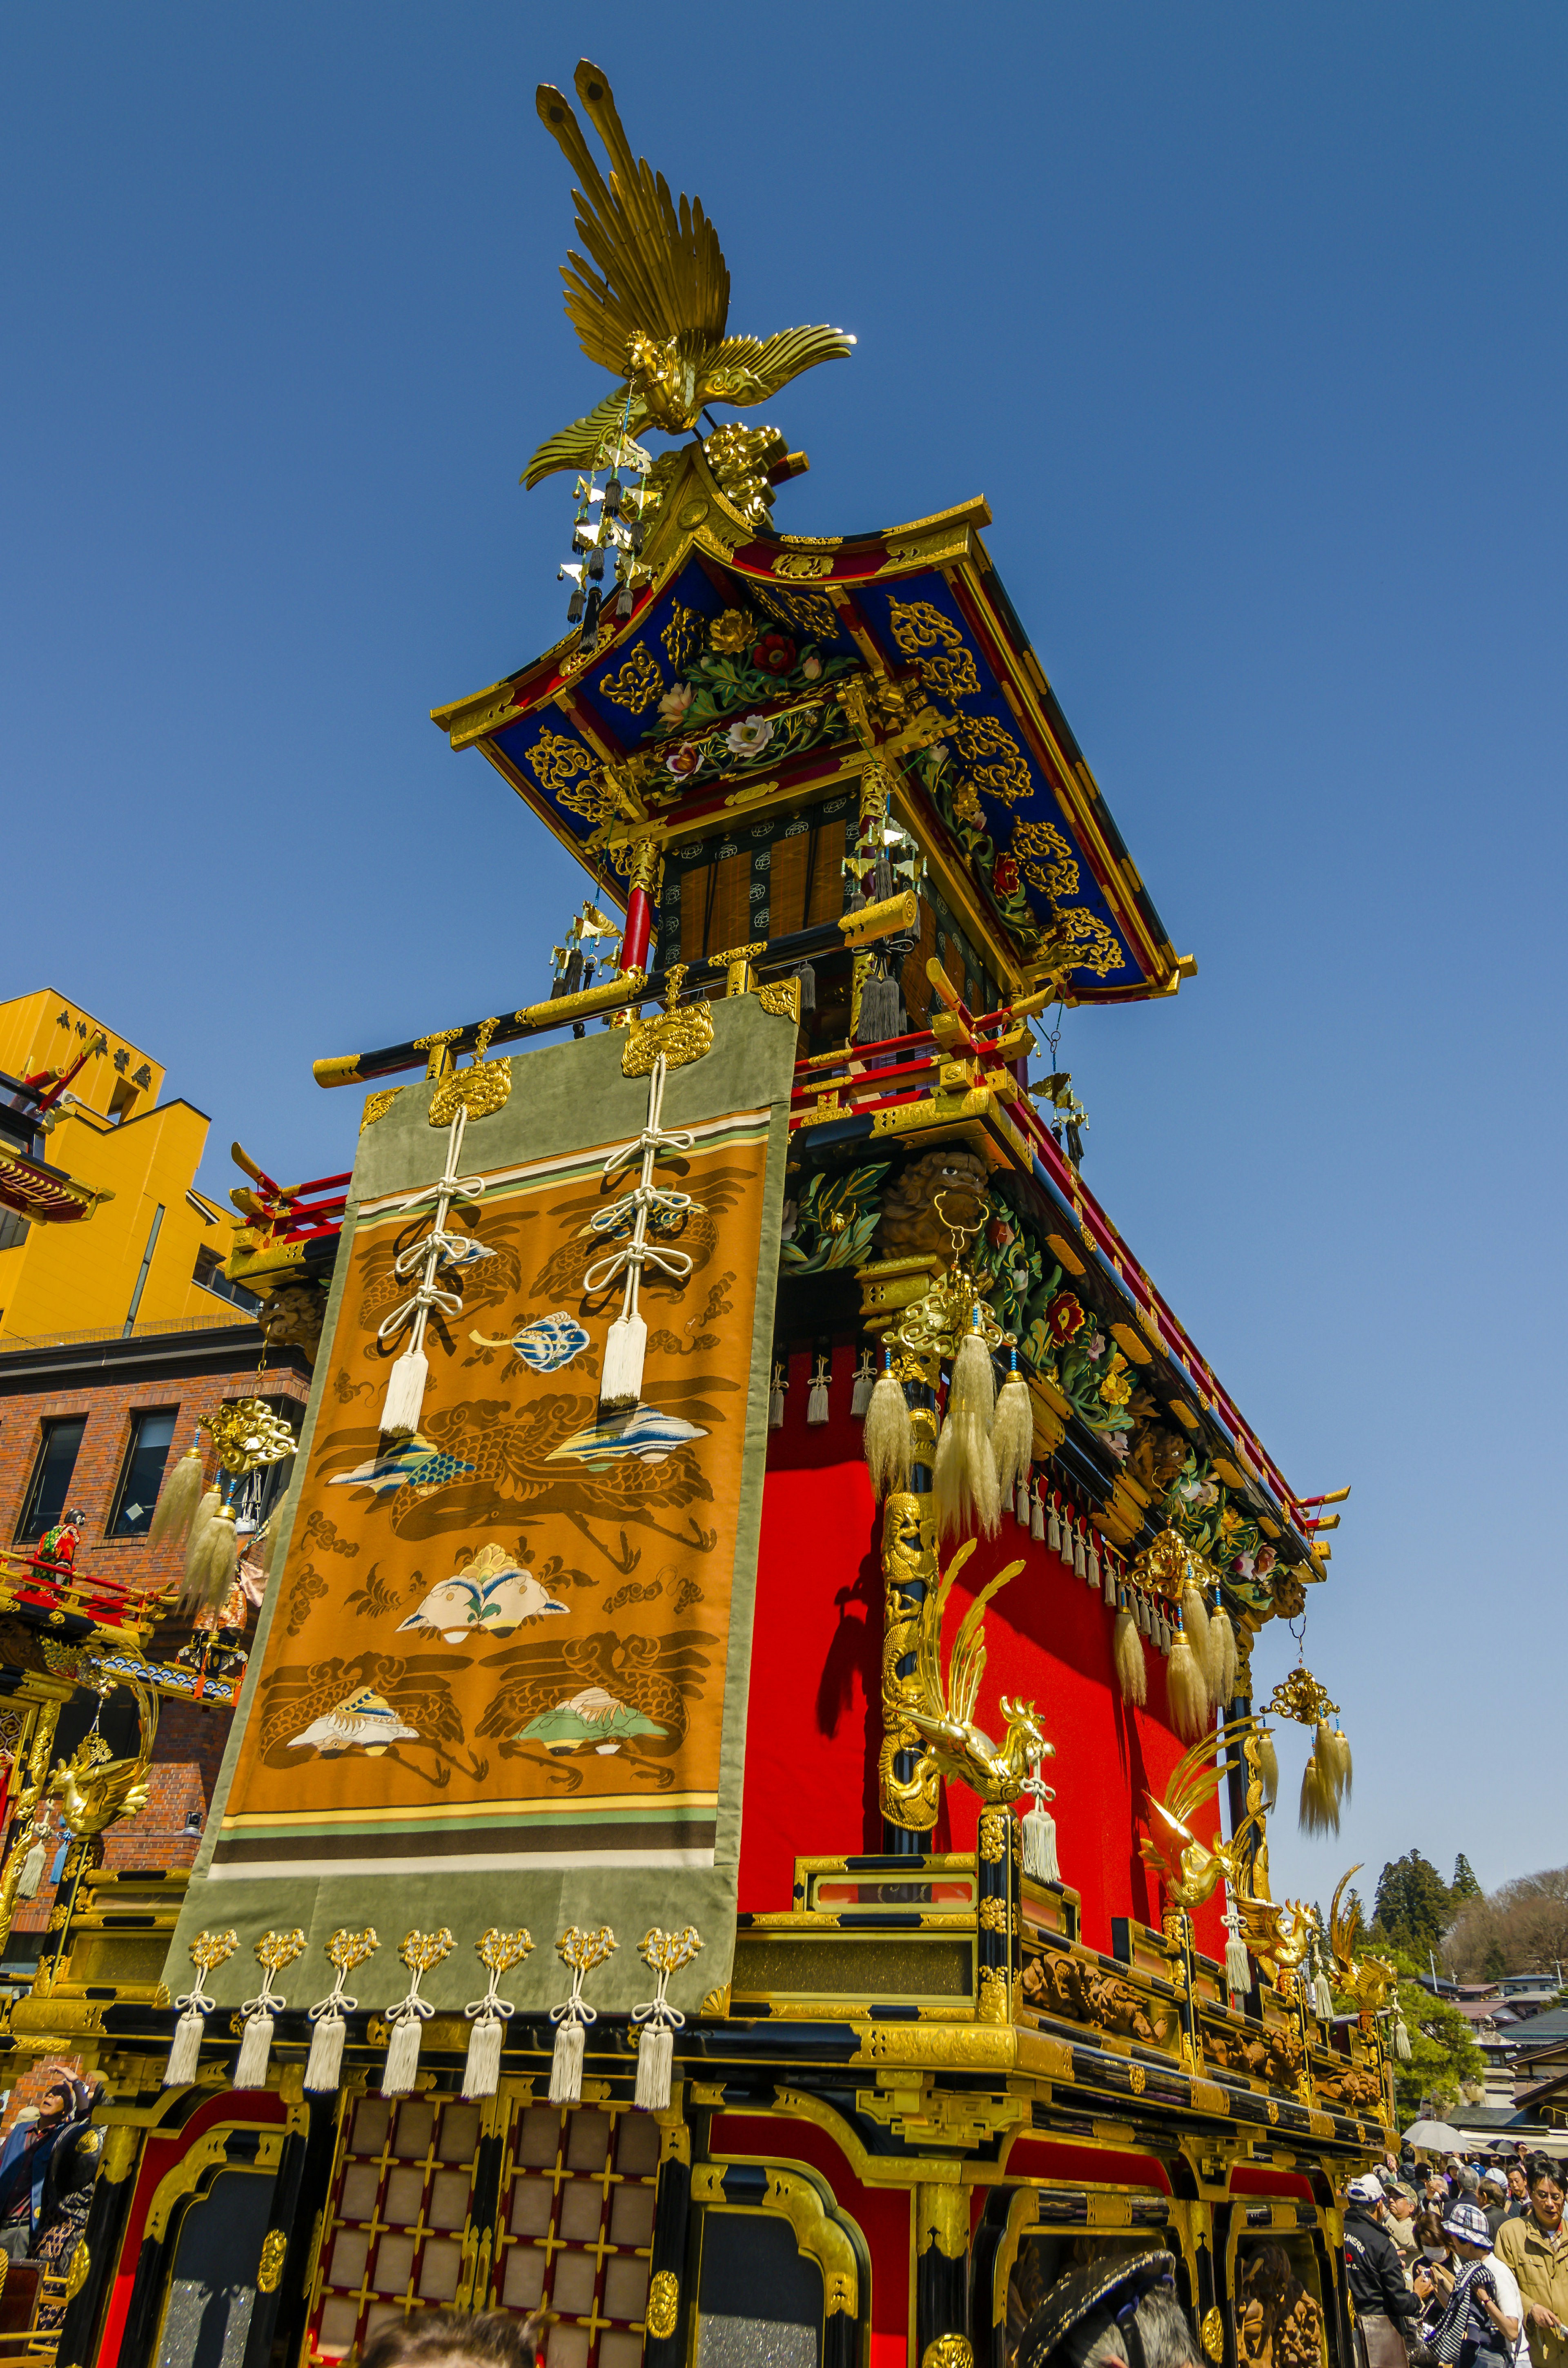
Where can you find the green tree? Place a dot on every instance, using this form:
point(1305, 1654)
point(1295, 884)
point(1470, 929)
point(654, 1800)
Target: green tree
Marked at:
point(1414, 1907)
point(1443, 2053)
point(1465, 1885)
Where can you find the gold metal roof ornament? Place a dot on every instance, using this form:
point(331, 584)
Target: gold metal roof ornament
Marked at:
point(654, 310)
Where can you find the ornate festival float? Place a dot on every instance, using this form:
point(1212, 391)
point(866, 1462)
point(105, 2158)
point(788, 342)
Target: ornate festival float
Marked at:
point(746, 1828)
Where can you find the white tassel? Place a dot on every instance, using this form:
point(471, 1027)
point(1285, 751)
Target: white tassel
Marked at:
point(185, 2055)
point(625, 1345)
point(177, 1500)
point(1039, 1829)
point(256, 2048)
point(664, 1953)
point(965, 1485)
point(1012, 1430)
point(865, 1383)
point(1323, 1997)
point(490, 2014)
point(212, 1562)
point(1184, 1691)
point(1080, 1561)
point(888, 1440)
point(419, 1951)
point(1401, 2038)
point(776, 1399)
point(1092, 1571)
point(403, 2056)
point(1021, 1503)
point(566, 2066)
point(481, 2067)
point(32, 1871)
point(1107, 1592)
point(324, 2065)
point(816, 1401)
point(1195, 1619)
point(1223, 1660)
point(346, 1949)
point(1268, 1768)
point(1127, 1648)
point(404, 1399)
point(1053, 1532)
point(1238, 1965)
point(1036, 1516)
point(655, 2062)
point(1142, 1615)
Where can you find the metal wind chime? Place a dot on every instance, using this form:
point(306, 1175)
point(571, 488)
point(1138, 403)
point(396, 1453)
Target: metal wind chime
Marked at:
point(610, 522)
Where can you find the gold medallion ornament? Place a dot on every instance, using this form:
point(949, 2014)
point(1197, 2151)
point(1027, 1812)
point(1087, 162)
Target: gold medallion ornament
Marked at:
point(484, 1087)
point(274, 2253)
point(664, 2305)
point(248, 1434)
point(1212, 2333)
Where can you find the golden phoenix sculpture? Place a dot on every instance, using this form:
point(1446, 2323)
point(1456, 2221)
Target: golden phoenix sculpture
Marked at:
point(1275, 1935)
point(654, 310)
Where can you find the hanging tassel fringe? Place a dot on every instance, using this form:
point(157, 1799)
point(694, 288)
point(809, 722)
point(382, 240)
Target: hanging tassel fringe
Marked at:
point(1185, 1689)
point(1323, 1996)
point(1319, 1811)
point(626, 1343)
point(481, 2067)
point(212, 1562)
point(1238, 1965)
point(889, 1442)
point(880, 1014)
point(1195, 1619)
point(776, 1399)
point(256, 2048)
point(1401, 2038)
point(403, 2056)
point(404, 1399)
point(865, 1383)
point(655, 2059)
point(1143, 1616)
point(808, 978)
point(1268, 1769)
point(1132, 1670)
point(816, 1401)
point(1108, 1592)
point(566, 2065)
point(1223, 1658)
point(965, 1485)
point(1012, 1430)
point(179, 1499)
point(1080, 1559)
point(1036, 1516)
point(324, 2065)
point(1039, 1829)
point(1053, 1532)
point(1092, 1563)
point(1344, 1766)
point(206, 1513)
point(185, 2055)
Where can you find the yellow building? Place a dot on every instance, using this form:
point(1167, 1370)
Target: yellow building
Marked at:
point(152, 1252)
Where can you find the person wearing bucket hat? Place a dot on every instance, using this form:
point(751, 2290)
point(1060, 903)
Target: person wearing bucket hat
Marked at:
point(1379, 2291)
point(1115, 2311)
point(1480, 2327)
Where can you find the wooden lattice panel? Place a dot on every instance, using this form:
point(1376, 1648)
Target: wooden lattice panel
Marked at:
point(574, 2227)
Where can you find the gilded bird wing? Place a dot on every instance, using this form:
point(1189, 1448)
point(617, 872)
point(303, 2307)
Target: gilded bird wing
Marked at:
point(661, 272)
point(1344, 1923)
point(928, 1651)
point(583, 444)
point(968, 1664)
point(752, 370)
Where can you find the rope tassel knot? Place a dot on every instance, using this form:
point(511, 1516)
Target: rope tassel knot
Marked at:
point(273, 1951)
point(582, 1951)
point(664, 1953)
point(499, 1952)
point(208, 1951)
point(419, 1951)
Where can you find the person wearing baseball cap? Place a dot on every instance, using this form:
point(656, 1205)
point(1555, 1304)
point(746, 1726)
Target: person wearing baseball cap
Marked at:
point(1380, 2293)
point(1477, 2330)
point(1117, 2311)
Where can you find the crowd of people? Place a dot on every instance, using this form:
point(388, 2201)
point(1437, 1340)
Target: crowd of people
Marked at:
point(1449, 2266)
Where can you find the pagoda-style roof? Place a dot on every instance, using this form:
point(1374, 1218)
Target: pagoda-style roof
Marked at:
point(899, 648)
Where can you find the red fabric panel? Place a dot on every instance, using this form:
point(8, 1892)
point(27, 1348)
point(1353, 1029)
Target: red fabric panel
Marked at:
point(882, 2214)
point(1255, 2179)
point(1046, 2158)
point(815, 1725)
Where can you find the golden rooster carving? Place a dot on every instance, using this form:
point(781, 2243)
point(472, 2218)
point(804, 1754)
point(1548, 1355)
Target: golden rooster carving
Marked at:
point(1371, 1981)
point(654, 310)
point(1277, 1936)
point(941, 1710)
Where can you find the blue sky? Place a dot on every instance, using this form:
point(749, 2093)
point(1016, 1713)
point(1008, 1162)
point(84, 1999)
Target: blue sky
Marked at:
point(1248, 323)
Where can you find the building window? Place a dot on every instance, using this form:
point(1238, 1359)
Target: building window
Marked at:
point(151, 1436)
point(209, 1276)
point(13, 1230)
point(51, 1480)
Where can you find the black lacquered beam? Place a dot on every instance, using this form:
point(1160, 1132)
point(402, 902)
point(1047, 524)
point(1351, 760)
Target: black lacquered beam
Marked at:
point(895, 917)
